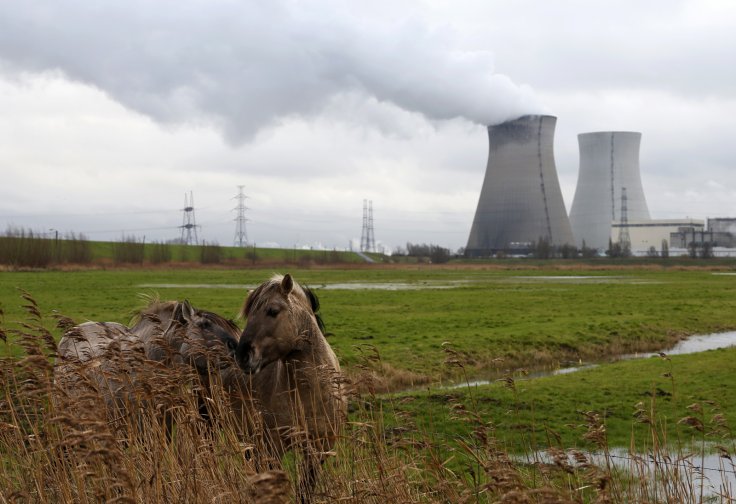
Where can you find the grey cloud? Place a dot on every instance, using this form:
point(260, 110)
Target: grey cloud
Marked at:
point(244, 67)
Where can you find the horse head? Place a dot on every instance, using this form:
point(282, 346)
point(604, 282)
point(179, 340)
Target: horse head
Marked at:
point(204, 339)
point(280, 315)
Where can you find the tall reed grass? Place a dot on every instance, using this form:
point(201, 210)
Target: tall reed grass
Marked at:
point(160, 253)
point(59, 442)
point(210, 253)
point(20, 247)
point(129, 250)
point(29, 249)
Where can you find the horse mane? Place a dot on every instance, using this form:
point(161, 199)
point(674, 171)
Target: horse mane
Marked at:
point(219, 320)
point(155, 307)
point(258, 297)
point(152, 309)
point(314, 302)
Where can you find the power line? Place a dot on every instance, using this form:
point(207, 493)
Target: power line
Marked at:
point(241, 237)
point(189, 221)
point(367, 238)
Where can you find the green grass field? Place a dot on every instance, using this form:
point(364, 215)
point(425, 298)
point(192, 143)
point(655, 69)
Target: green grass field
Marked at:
point(533, 414)
point(526, 317)
point(494, 320)
point(416, 329)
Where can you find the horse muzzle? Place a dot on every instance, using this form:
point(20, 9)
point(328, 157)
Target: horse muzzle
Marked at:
point(248, 358)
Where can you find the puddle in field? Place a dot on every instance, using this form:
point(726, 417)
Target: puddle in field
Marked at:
point(580, 279)
point(703, 342)
point(693, 344)
point(387, 286)
point(689, 472)
point(406, 286)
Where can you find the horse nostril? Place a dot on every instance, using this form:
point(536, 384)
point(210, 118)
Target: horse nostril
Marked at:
point(242, 352)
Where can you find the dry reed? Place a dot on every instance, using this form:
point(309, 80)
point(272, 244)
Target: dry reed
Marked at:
point(176, 439)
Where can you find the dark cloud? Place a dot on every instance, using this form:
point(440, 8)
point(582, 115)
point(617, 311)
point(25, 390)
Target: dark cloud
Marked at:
point(242, 67)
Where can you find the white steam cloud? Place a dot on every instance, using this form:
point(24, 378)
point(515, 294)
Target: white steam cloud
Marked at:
point(242, 67)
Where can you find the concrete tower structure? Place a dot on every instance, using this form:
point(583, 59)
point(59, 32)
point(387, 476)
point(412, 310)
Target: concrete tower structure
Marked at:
point(520, 201)
point(609, 164)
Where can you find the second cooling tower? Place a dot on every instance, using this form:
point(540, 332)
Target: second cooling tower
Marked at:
point(520, 201)
point(609, 162)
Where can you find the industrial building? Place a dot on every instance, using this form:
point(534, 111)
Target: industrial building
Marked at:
point(718, 237)
point(723, 230)
point(643, 235)
point(609, 168)
point(520, 201)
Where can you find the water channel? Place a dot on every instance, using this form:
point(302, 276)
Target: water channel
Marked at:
point(684, 472)
point(693, 344)
point(665, 474)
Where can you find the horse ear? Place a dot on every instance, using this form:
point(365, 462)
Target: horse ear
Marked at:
point(287, 284)
point(177, 314)
point(183, 312)
point(188, 310)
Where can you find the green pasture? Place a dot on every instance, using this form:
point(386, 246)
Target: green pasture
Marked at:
point(437, 325)
point(640, 403)
point(493, 319)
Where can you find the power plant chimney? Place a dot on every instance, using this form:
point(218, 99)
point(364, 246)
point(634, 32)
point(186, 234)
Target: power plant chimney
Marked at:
point(609, 162)
point(520, 201)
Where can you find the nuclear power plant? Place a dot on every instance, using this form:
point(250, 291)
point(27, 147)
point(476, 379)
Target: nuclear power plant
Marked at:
point(520, 201)
point(609, 167)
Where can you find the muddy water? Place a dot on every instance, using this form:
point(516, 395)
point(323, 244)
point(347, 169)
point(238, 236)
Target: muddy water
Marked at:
point(694, 344)
point(387, 286)
point(430, 284)
point(713, 473)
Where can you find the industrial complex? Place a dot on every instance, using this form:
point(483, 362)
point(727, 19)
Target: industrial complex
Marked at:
point(521, 203)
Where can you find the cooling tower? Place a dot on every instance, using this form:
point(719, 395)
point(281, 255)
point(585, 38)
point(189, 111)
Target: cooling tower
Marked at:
point(520, 201)
point(609, 161)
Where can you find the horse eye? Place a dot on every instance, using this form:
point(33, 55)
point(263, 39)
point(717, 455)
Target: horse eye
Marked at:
point(272, 311)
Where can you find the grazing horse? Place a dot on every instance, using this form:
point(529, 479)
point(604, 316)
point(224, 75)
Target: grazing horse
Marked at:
point(176, 332)
point(294, 376)
point(109, 356)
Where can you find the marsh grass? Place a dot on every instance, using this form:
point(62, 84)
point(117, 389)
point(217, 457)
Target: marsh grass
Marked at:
point(160, 252)
point(64, 443)
point(210, 253)
point(129, 250)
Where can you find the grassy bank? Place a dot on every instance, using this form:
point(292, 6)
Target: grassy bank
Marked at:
point(27, 249)
point(526, 318)
point(629, 398)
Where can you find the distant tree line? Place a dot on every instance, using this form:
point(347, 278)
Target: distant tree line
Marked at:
point(22, 248)
point(433, 253)
point(26, 248)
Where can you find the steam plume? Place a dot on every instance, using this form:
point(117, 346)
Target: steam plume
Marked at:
point(241, 68)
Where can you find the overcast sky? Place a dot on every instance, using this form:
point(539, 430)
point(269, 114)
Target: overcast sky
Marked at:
point(111, 111)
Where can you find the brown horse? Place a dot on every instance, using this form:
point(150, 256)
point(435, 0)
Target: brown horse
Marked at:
point(294, 374)
point(111, 358)
point(176, 332)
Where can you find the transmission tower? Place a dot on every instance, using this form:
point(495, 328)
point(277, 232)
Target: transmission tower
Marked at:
point(623, 232)
point(367, 238)
point(241, 236)
point(189, 222)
